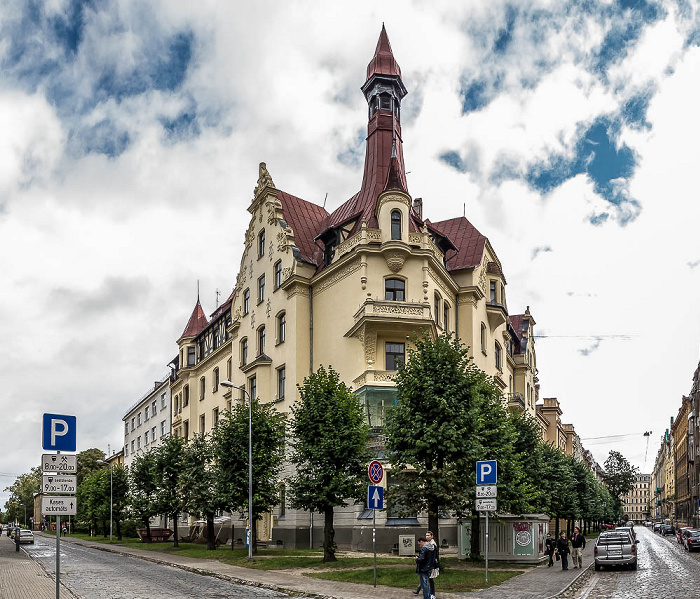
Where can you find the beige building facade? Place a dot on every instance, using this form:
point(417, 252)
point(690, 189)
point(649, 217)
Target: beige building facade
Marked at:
point(637, 502)
point(347, 289)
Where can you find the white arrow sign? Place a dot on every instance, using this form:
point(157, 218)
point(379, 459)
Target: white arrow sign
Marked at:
point(51, 483)
point(58, 506)
point(375, 497)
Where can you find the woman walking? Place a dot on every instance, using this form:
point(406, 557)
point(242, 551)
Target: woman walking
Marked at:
point(551, 545)
point(563, 550)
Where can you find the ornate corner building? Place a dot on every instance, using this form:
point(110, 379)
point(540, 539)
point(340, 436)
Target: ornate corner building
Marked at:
point(347, 289)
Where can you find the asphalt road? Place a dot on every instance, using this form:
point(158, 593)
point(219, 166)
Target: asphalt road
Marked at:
point(93, 574)
point(665, 570)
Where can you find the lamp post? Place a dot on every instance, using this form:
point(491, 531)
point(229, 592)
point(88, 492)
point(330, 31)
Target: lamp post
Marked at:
point(111, 496)
point(230, 385)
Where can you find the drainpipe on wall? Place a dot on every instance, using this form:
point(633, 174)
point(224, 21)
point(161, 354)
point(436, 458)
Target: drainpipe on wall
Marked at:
point(311, 329)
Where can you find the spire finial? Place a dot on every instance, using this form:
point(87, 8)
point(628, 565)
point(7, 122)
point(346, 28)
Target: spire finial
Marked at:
point(197, 290)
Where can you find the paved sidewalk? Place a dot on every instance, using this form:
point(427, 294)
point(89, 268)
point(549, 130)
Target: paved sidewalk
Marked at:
point(536, 583)
point(22, 578)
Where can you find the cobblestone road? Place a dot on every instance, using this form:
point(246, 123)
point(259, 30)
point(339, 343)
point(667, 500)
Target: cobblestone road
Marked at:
point(665, 571)
point(94, 574)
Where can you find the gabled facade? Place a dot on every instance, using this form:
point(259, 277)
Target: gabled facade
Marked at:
point(347, 289)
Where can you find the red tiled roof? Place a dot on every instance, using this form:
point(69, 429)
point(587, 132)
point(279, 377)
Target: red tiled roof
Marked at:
point(516, 321)
point(468, 241)
point(196, 323)
point(383, 61)
point(216, 313)
point(306, 220)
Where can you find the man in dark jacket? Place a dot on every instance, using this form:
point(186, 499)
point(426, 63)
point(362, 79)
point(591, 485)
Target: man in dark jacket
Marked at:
point(550, 547)
point(424, 565)
point(578, 544)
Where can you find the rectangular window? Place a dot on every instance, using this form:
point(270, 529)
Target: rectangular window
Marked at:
point(395, 290)
point(281, 382)
point(186, 430)
point(445, 315)
point(148, 412)
point(278, 274)
point(126, 428)
point(138, 442)
point(261, 244)
point(190, 355)
point(246, 302)
point(133, 423)
point(126, 450)
point(395, 355)
point(163, 401)
point(162, 427)
point(154, 408)
point(215, 416)
point(145, 437)
point(437, 309)
point(138, 419)
point(132, 446)
point(216, 379)
point(253, 387)
point(281, 327)
point(186, 396)
point(153, 434)
point(261, 289)
point(492, 291)
point(244, 352)
point(202, 424)
point(228, 369)
point(261, 341)
point(202, 387)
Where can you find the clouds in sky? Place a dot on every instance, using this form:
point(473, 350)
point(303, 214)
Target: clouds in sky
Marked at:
point(132, 132)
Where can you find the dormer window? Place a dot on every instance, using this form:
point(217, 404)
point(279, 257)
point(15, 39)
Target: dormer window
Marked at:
point(396, 224)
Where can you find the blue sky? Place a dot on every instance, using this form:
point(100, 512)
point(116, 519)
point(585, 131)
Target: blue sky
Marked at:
point(132, 132)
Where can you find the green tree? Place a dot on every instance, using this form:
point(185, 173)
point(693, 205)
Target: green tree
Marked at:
point(20, 505)
point(198, 482)
point(89, 461)
point(619, 477)
point(230, 444)
point(330, 449)
point(90, 498)
point(120, 497)
point(558, 479)
point(168, 466)
point(143, 488)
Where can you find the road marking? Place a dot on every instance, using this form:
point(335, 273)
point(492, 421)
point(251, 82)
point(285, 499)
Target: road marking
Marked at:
point(591, 585)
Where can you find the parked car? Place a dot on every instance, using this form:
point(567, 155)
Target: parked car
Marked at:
point(26, 536)
point(679, 534)
point(657, 526)
point(628, 529)
point(615, 548)
point(667, 529)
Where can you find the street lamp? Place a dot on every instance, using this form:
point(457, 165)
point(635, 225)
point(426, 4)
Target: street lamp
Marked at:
point(230, 385)
point(111, 495)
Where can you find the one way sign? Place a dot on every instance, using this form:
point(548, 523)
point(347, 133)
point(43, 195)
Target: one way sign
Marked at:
point(375, 497)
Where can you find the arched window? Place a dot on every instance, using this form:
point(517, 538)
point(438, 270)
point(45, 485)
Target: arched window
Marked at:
point(281, 327)
point(202, 387)
point(261, 244)
point(244, 351)
point(446, 315)
point(395, 290)
point(396, 224)
point(261, 341)
point(437, 299)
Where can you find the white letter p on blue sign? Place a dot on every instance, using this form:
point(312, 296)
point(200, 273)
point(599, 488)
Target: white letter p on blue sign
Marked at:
point(58, 432)
point(487, 472)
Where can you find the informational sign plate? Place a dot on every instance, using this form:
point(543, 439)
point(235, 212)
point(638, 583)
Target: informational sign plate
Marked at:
point(375, 497)
point(58, 484)
point(486, 491)
point(58, 506)
point(486, 472)
point(59, 463)
point(486, 505)
point(58, 432)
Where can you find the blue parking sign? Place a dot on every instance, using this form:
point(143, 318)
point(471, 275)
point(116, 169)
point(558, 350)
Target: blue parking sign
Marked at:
point(58, 432)
point(487, 472)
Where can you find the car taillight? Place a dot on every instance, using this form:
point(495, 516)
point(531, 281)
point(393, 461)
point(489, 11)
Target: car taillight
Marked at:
point(595, 550)
point(634, 548)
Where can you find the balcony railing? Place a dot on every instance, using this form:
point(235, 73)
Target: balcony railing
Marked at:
point(516, 399)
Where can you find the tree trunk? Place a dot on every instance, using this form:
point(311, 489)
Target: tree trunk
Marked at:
point(254, 534)
point(210, 532)
point(328, 536)
point(119, 529)
point(433, 519)
point(556, 527)
point(476, 531)
point(233, 544)
point(147, 522)
point(176, 541)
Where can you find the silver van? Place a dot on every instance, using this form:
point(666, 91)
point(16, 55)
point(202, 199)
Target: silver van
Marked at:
point(615, 548)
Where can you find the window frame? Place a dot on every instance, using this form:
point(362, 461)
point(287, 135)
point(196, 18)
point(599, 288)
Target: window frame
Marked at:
point(497, 353)
point(437, 300)
point(396, 233)
point(277, 278)
point(483, 338)
point(261, 288)
point(281, 382)
point(202, 387)
point(244, 351)
point(282, 327)
point(261, 336)
point(390, 288)
point(246, 301)
point(261, 244)
point(394, 355)
point(253, 387)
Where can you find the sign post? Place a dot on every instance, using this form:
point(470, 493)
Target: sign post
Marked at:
point(375, 501)
point(58, 434)
point(486, 491)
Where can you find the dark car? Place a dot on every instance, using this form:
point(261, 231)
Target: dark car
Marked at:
point(691, 539)
point(680, 532)
point(657, 526)
point(667, 529)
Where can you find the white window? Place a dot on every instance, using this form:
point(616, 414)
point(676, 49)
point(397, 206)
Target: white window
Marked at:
point(148, 412)
point(133, 423)
point(126, 428)
point(153, 434)
point(126, 450)
point(162, 401)
point(145, 438)
point(132, 446)
point(138, 442)
point(154, 408)
point(162, 427)
point(138, 419)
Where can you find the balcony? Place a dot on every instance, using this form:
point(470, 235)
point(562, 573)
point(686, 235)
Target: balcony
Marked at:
point(497, 314)
point(394, 316)
point(516, 400)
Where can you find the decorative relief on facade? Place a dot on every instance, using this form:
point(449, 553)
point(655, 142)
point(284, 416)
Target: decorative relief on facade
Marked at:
point(251, 270)
point(264, 179)
point(282, 242)
point(249, 236)
point(386, 376)
point(348, 244)
point(298, 289)
point(397, 309)
point(268, 307)
point(271, 250)
point(359, 381)
point(393, 197)
point(252, 319)
point(286, 272)
point(482, 275)
point(394, 261)
point(437, 279)
point(274, 211)
point(374, 235)
point(415, 238)
point(370, 347)
point(339, 275)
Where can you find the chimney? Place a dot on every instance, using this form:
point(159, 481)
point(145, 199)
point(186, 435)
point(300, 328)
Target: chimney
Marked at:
point(418, 207)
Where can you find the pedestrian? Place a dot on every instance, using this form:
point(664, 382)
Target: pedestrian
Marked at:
point(551, 545)
point(578, 544)
point(16, 539)
point(563, 550)
point(430, 540)
point(424, 565)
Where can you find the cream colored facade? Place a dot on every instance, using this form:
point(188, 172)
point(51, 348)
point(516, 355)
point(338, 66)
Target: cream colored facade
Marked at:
point(347, 290)
point(637, 502)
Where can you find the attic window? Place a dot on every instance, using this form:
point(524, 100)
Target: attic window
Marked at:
point(396, 224)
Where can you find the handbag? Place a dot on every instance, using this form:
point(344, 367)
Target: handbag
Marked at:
point(435, 572)
point(558, 558)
